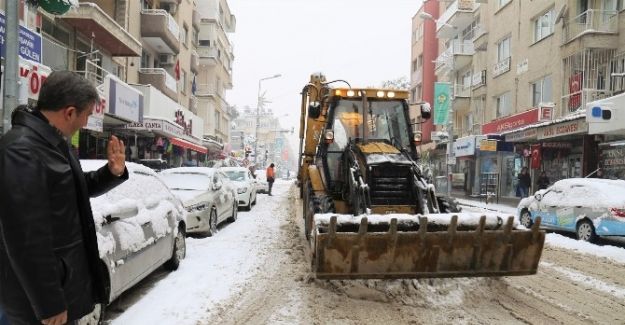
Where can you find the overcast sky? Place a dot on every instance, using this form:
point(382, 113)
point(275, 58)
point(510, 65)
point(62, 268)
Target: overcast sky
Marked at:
point(362, 41)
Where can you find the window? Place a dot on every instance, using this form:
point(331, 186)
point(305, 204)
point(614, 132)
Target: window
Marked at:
point(543, 25)
point(420, 61)
point(503, 2)
point(542, 91)
point(205, 42)
point(504, 104)
point(184, 32)
point(503, 49)
point(217, 121)
point(466, 79)
point(183, 81)
point(414, 65)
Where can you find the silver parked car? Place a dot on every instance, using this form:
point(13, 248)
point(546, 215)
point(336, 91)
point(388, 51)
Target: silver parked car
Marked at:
point(140, 226)
point(207, 195)
point(588, 207)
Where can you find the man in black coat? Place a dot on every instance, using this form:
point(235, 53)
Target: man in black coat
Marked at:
point(50, 269)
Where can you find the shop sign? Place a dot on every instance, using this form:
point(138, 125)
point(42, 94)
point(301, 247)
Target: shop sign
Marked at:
point(165, 127)
point(29, 42)
point(96, 119)
point(123, 100)
point(557, 145)
point(562, 129)
point(613, 158)
point(464, 146)
point(488, 145)
point(523, 135)
point(32, 75)
point(511, 122)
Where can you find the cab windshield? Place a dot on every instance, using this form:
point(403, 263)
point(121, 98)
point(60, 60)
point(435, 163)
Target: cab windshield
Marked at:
point(385, 120)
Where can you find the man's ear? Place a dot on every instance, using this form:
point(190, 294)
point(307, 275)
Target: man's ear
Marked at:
point(69, 112)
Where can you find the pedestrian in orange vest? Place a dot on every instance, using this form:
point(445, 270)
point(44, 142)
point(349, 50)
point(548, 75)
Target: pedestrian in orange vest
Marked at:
point(271, 177)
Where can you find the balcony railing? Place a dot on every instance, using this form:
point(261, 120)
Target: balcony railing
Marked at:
point(171, 22)
point(501, 67)
point(462, 91)
point(457, 47)
point(204, 90)
point(459, 6)
point(207, 52)
point(169, 80)
point(577, 101)
point(417, 76)
point(478, 79)
point(591, 21)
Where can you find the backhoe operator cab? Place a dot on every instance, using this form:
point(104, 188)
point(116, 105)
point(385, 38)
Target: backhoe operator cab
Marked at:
point(368, 120)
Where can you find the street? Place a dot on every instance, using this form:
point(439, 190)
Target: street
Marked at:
point(255, 271)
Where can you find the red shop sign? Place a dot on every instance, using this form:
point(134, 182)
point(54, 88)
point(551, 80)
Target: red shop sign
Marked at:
point(511, 122)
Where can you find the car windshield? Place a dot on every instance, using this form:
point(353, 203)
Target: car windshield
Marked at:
point(385, 120)
point(186, 181)
point(235, 175)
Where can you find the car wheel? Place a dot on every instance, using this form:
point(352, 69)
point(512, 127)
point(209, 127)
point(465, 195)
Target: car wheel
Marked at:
point(526, 219)
point(235, 211)
point(93, 318)
point(248, 207)
point(212, 230)
point(586, 231)
point(179, 252)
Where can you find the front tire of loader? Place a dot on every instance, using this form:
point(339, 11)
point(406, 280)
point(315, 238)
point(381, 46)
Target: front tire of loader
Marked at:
point(448, 204)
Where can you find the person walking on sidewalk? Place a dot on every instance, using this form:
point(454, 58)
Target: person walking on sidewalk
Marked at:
point(50, 268)
point(524, 182)
point(543, 181)
point(271, 177)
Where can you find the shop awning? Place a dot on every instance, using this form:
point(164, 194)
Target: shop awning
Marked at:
point(189, 145)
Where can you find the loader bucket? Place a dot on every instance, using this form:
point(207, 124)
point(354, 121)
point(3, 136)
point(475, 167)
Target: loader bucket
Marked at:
point(409, 246)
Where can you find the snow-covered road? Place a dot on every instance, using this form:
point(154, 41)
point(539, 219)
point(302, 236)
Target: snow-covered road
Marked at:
point(256, 271)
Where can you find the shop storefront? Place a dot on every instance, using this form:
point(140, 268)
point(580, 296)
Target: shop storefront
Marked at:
point(560, 149)
point(466, 151)
point(605, 122)
point(169, 132)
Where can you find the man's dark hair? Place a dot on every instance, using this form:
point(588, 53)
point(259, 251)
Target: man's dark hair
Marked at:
point(272, 165)
point(66, 88)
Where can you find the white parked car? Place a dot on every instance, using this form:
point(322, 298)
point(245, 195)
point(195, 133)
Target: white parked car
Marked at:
point(140, 226)
point(242, 178)
point(207, 195)
point(261, 184)
point(588, 207)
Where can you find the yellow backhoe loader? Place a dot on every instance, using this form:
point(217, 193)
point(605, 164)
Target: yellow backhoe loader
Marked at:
point(368, 210)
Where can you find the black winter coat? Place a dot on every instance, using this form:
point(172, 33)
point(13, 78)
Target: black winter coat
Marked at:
point(49, 260)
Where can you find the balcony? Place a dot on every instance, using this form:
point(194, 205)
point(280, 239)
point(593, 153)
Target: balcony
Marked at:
point(160, 31)
point(501, 67)
point(462, 98)
point(196, 19)
point(161, 80)
point(208, 55)
point(91, 21)
point(480, 39)
point(206, 90)
point(576, 101)
point(591, 24)
point(478, 79)
point(457, 17)
point(195, 62)
point(458, 55)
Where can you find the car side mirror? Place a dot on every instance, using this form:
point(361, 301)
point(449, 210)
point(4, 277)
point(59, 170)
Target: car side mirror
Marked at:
point(538, 197)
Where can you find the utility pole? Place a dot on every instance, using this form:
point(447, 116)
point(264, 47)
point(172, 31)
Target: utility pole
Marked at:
point(11, 64)
point(258, 104)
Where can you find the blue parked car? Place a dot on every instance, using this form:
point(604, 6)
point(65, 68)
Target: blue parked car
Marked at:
point(588, 207)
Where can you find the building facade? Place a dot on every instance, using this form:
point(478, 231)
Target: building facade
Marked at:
point(521, 74)
point(142, 56)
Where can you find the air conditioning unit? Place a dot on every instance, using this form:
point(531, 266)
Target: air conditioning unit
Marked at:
point(166, 59)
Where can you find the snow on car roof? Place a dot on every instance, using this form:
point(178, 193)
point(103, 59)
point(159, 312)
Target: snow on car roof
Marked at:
point(590, 192)
point(141, 196)
point(208, 171)
point(234, 168)
point(186, 181)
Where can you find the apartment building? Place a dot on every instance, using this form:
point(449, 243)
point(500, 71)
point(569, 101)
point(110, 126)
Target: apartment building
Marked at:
point(215, 53)
point(142, 57)
point(521, 74)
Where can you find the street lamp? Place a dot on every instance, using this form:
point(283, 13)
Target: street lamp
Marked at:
point(258, 103)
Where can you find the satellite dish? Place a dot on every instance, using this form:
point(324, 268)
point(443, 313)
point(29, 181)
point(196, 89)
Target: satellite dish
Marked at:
point(561, 13)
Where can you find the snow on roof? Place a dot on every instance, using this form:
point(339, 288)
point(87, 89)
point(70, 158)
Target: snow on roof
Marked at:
point(208, 171)
point(588, 192)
